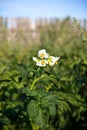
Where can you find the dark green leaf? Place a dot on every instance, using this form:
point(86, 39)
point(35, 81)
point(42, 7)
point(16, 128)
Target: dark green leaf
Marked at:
point(39, 116)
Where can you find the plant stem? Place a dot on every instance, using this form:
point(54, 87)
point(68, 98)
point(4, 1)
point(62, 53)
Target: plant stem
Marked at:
point(36, 80)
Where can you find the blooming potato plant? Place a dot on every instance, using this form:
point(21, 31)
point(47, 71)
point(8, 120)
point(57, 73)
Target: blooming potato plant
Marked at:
point(45, 59)
point(39, 99)
point(46, 101)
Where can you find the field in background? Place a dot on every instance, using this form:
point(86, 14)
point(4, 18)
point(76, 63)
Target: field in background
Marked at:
point(25, 28)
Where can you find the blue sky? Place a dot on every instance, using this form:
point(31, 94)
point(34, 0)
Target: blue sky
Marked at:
point(43, 8)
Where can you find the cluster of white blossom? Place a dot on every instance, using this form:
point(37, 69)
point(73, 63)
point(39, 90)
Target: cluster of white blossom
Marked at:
point(45, 59)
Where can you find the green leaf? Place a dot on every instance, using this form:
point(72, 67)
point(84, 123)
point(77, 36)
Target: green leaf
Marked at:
point(62, 121)
point(33, 109)
point(52, 110)
point(49, 100)
point(39, 116)
point(42, 119)
point(39, 93)
point(28, 92)
point(63, 106)
point(5, 120)
point(5, 127)
point(71, 99)
point(17, 85)
point(53, 80)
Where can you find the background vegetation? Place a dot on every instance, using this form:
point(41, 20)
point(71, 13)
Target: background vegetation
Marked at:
point(58, 99)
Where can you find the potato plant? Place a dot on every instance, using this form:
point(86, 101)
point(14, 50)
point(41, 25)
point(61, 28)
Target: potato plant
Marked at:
point(45, 91)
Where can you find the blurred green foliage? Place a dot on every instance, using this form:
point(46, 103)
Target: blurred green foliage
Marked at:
point(58, 101)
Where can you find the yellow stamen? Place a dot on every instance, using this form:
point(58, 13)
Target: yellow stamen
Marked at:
point(42, 55)
point(56, 62)
point(42, 62)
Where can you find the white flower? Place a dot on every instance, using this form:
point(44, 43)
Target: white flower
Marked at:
point(35, 59)
point(45, 59)
point(41, 63)
point(43, 54)
point(52, 60)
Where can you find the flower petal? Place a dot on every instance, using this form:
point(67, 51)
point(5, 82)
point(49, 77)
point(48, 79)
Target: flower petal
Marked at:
point(43, 54)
